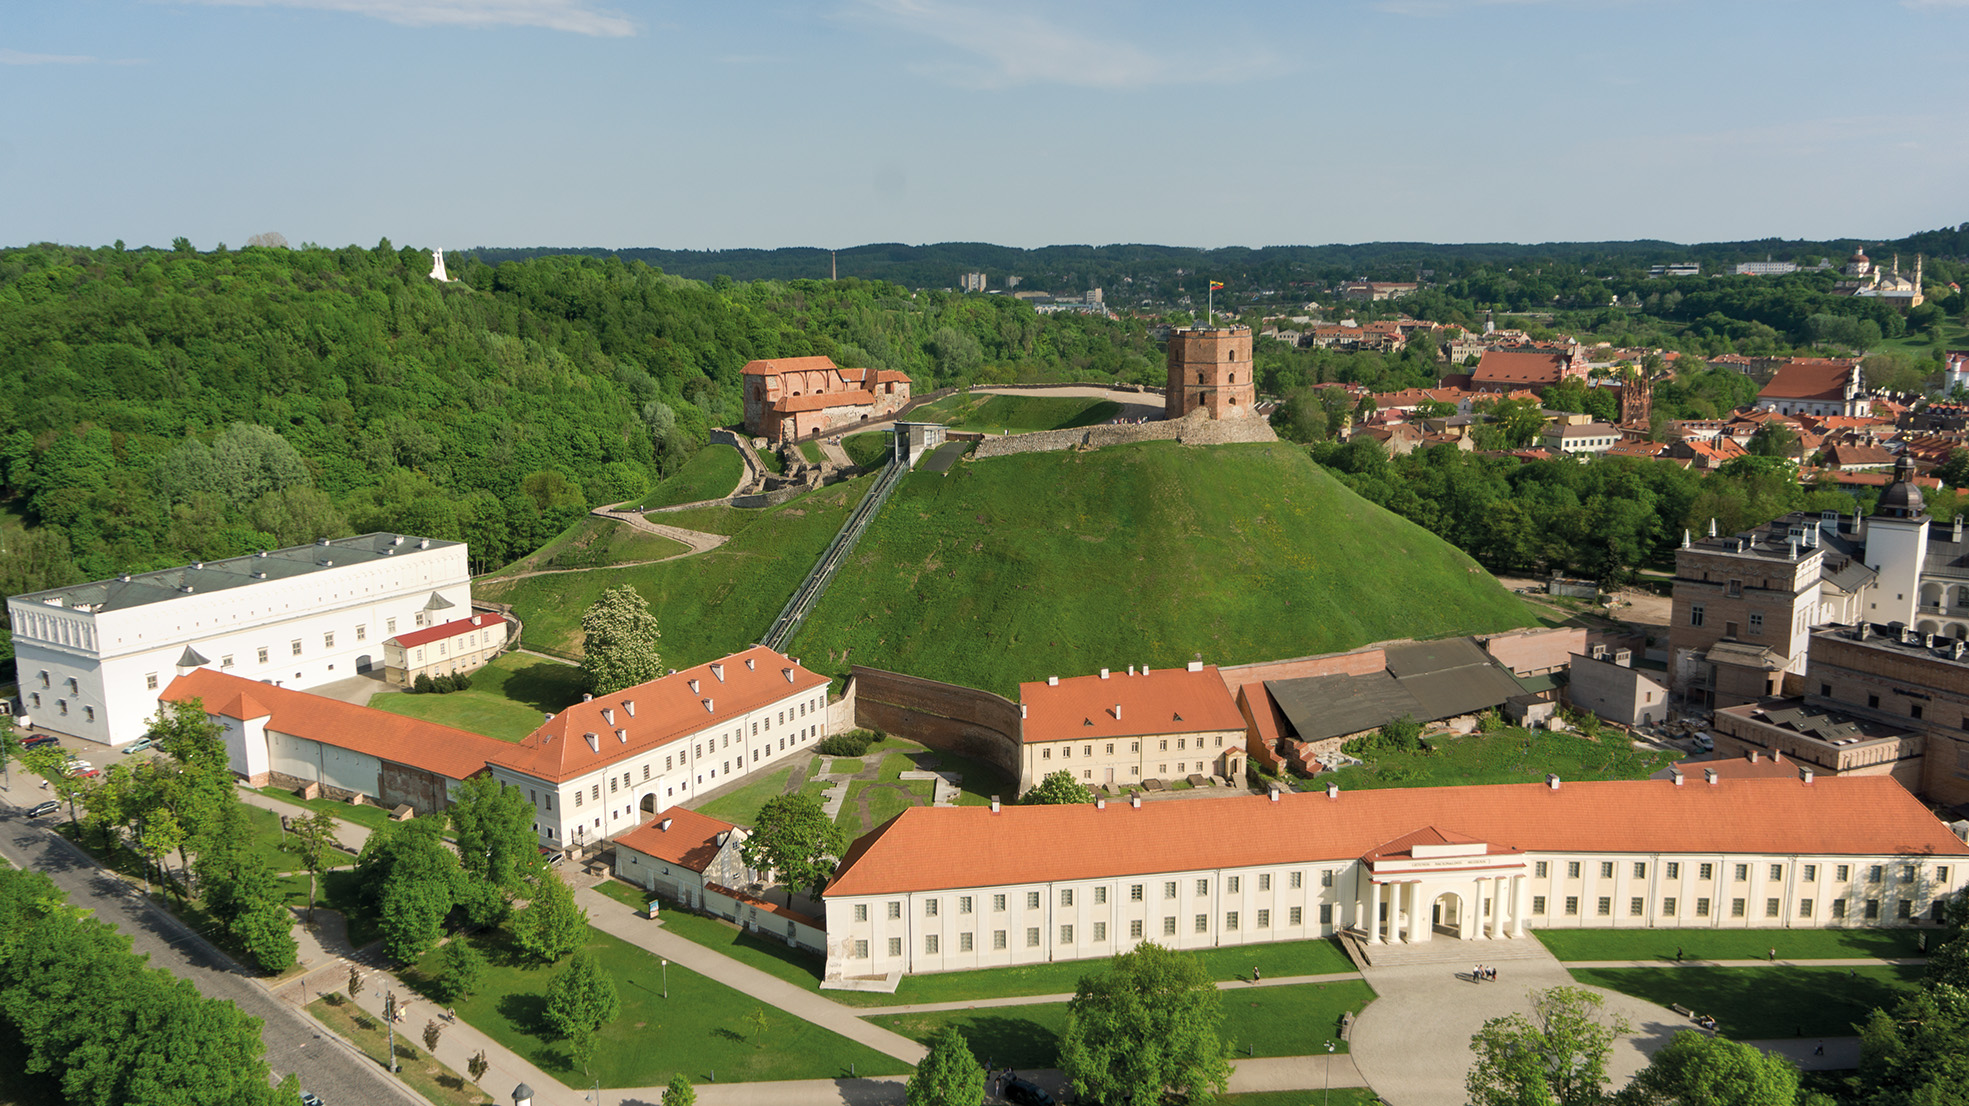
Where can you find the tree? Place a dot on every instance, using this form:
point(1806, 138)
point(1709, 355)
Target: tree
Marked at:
point(478, 1065)
point(949, 1075)
point(265, 930)
point(1949, 964)
point(795, 839)
point(552, 925)
point(580, 1000)
point(497, 847)
point(410, 877)
point(1774, 439)
point(1058, 789)
point(1695, 1069)
point(1912, 1054)
point(460, 964)
point(619, 642)
point(432, 1031)
point(1955, 471)
point(1145, 1028)
point(314, 839)
point(355, 982)
point(1558, 1055)
point(679, 1091)
point(10, 746)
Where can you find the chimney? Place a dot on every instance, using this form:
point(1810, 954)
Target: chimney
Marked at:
point(1274, 794)
point(1117, 712)
point(1675, 774)
point(630, 705)
point(1195, 666)
point(1135, 800)
point(663, 826)
point(1777, 756)
point(594, 742)
point(1131, 670)
point(1022, 710)
point(546, 718)
point(1752, 755)
point(1710, 777)
point(994, 804)
point(718, 670)
point(1332, 790)
point(586, 696)
point(422, 543)
point(1792, 545)
point(1712, 527)
point(1100, 804)
point(1958, 530)
point(1145, 670)
point(1685, 537)
point(1052, 681)
point(1104, 673)
point(1805, 775)
point(1552, 780)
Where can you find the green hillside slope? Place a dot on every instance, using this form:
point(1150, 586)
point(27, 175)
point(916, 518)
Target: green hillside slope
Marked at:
point(1060, 563)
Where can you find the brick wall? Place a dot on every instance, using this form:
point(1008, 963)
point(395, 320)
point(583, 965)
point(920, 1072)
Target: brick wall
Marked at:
point(1525, 652)
point(401, 784)
point(960, 720)
point(1192, 429)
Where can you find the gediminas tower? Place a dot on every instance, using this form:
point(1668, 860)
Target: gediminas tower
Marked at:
point(1210, 367)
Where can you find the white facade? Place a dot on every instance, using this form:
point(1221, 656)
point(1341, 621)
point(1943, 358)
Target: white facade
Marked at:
point(1895, 549)
point(92, 658)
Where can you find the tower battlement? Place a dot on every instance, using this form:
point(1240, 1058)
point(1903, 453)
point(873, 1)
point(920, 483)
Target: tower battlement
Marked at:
point(1210, 367)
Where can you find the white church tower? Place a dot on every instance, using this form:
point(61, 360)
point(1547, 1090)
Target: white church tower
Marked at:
point(1896, 543)
point(437, 267)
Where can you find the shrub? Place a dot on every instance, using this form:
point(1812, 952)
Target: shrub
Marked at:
point(422, 685)
point(461, 681)
point(851, 744)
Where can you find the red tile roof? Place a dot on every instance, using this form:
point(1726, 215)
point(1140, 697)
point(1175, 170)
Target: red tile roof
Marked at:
point(445, 630)
point(1164, 700)
point(1809, 378)
point(928, 848)
point(779, 365)
point(452, 753)
point(1848, 454)
point(664, 710)
point(820, 401)
point(1520, 367)
point(692, 841)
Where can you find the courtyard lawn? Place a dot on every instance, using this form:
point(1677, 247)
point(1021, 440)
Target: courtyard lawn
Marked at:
point(1737, 944)
point(1510, 755)
point(418, 1068)
point(507, 699)
point(844, 766)
point(701, 1029)
point(770, 459)
point(1755, 1003)
point(883, 801)
point(1287, 958)
point(374, 817)
point(810, 449)
point(741, 807)
point(712, 473)
point(1263, 1021)
point(769, 956)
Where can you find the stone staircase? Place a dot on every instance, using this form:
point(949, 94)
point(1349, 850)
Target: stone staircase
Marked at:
point(1444, 948)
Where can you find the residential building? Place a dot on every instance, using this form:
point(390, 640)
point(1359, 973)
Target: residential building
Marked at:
point(1507, 370)
point(1592, 438)
point(1766, 267)
point(1676, 269)
point(598, 768)
point(1115, 729)
point(331, 749)
point(971, 282)
point(1210, 368)
point(953, 888)
point(1607, 683)
point(461, 645)
point(793, 397)
point(1817, 386)
point(1377, 290)
point(679, 854)
point(93, 657)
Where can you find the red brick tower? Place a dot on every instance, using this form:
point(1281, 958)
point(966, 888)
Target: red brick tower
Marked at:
point(1210, 367)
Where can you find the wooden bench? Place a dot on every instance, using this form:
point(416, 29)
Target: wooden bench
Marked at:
point(1684, 1011)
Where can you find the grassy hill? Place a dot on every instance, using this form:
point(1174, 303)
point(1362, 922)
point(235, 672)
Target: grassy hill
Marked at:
point(1060, 563)
point(993, 414)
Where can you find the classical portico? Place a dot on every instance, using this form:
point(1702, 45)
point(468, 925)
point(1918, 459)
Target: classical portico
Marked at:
point(1433, 880)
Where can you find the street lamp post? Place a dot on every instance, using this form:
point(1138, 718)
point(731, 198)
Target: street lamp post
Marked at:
point(666, 978)
point(1329, 1073)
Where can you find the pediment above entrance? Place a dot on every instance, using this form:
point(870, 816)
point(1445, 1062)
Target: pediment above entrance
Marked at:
point(1434, 849)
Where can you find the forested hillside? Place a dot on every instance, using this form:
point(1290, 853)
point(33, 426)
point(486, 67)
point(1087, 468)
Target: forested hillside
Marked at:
point(164, 406)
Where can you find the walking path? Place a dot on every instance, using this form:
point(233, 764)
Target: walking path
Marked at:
point(1780, 962)
point(831, 450)
point(1134, 405)
point(350, 835)
point(1029, 1000)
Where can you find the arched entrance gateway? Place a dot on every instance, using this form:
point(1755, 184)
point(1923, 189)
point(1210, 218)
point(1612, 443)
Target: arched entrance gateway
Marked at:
point(1436, 881)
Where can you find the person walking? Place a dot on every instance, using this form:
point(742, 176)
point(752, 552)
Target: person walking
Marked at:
point(1254, 975)
point(1678, 954)
point(1774, 955)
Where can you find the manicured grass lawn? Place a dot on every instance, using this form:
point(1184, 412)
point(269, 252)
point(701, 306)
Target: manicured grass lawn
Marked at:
point(741, 807)
point(337, 890)
point(1736, 944)
point(844, 766)
point(700, 1029)
point(595, 542)
point(1269, 1021)
point(811, 451)
point(1919, 345)
point(1018, 414)
point(507, 699)
point(893, 766)
point(712, 473)
point(768, 458)
point(871, 448)
point(771, 957)
point(885, 801)
point(375, 817)
point(1753, 1003)
point(709, 605)
point(419, 1069)
point(1238, 553)
point(1062, 976)
point(1510, 755)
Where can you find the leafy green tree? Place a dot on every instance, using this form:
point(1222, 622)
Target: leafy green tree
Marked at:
point(1949, 964)
point(619, 643)
point(265, 930)
point(1911, 1054)
point(552, 925)
point(580, 1000)
point(795, 839)
point(411, 879)
point(1058, 789)
point(1696, 1069)
point(679, 1091)
point(460, 965)
point(1558, 1055)
point(1146, 1028)
point(496, 843)
point(1774, 439)
point(10, 746)
point(949, 1074)
point(314, 840)
point(1955, 471)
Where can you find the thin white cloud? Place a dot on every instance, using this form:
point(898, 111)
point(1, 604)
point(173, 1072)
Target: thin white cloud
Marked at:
point(575, 16)
point(1008, 46)
point(19, 57)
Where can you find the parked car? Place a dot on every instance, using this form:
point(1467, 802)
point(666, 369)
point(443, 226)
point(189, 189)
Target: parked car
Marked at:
point(309, 1098)
point(551, 857)
point(1705, 743)
point(35, 741)
point(138, 746)
point(43, 809)
point(1026, 1093)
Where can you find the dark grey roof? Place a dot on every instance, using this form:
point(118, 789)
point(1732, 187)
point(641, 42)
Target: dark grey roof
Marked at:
point(437, 602)
point(1328, 706)
point(191, 658)
point(125, 592)
point(1431, 680)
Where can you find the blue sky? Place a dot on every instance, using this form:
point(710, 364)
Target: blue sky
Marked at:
point(705, 125)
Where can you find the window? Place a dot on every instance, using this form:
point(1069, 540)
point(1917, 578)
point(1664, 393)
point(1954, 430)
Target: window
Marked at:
point(1539, 869)
point(1743, 872)
point(1032, 937)
point(1203, 887)
point(929, 908)
point(328, 640)
point(1914, 710)
point(1707, 871)
point(964, 942)
point(1264, 919)
point(1695, 614)
point(1135, 929)
point(1842, 873)
point(1326, 878)
point(1777, 872)
point(929, 944)
point(1874, 873)
point(1134, 746)
point(1066, 935)
point(577, 798)
point(895, 910)
point(1538, 904)
point(597, 796)
point(1702, 908)
point(389, 625)
point(1606, 869)
point(1904, 909)
point(1572, 905)
point(998, 938)
point(1230, 920)
point(44, 679)
point(611, 785)
point(150, 681)
point(1169, 926)
point(861, 950)
point(1668, 906)
point(1265, 881)
point(1941, 873)
point(1873, 701)
point(895, 946)
point(1134, 892)
point(1169, 889)
point(362, 633)
point(1572, 869)
point(1804, 908)
point(1046, 754)
point(1636, 908)
point(1872, 909)
point(998, 904)
point(1295, 880)
point(1100, 896)
point(861, 912)
point(1907, 873)
point(1674, 870)
point(1110, 748)
point(89, 713)
point(1756, 622)
point(1234, 884)
point(1839, 908)
point(1100, 932)
point(963, 904)
point(1736, 908)
point(1772, 908)
point(1604, 908)
point(1640, 870)
point(1202, 923)
point(1032, 900)
point(296, 646)
point(1066, 896)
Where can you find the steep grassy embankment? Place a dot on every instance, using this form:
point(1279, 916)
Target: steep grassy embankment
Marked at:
point(1060, 563)
point(993, 414)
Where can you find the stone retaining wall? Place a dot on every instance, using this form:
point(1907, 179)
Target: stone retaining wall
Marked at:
point(961, 720)
point(1192, 429)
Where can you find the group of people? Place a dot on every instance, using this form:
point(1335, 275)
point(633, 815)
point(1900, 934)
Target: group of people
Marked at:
point(1480, 974)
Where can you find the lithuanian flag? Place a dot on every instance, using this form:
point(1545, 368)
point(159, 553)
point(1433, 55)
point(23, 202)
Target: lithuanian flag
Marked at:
point(1216, 284)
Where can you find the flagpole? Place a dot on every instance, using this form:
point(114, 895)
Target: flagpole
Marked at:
point(1210, 303)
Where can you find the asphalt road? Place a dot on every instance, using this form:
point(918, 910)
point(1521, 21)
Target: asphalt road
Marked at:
point(327, 1065)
